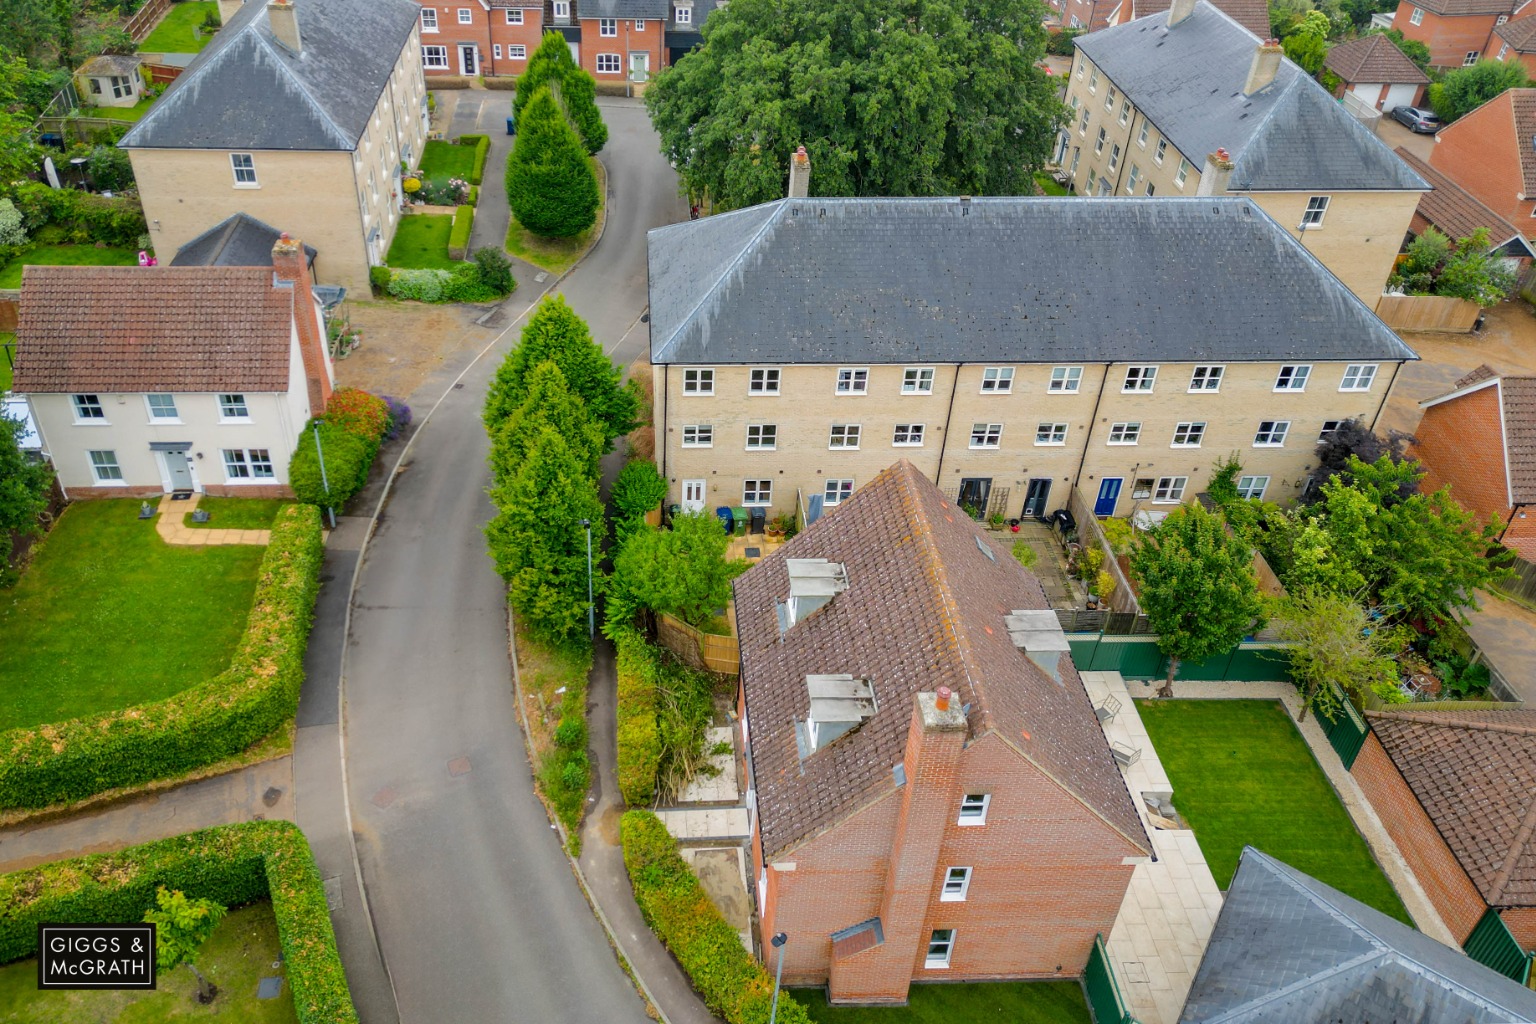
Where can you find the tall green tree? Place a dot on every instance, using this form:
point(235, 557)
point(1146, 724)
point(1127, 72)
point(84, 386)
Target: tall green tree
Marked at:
point(1334, 641)
point(556, 334)
point(19, 155)
point(551, 185)
point(546, 64)
point(182, 926)
point(1306, 50)
point(576, 91)
point(547, 402)
point(682, 571)
point(24, 486)
point(1196, 587)
point(889, 99)
point(32, 30)
point(1465, 89)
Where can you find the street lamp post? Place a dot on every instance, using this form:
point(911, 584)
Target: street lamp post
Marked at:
point(778, 976)
point(591, 610)
point(320, 454)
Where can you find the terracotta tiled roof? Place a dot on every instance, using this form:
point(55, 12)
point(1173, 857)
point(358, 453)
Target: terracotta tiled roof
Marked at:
point(1253, 15)
point(1520, 34)
point(1453, 210)
point(1474, 772)
point(1523, 106)
point(924, 608)
point(1482, 373)
point(1519, 397)
point(1457, 8)
point(1373, 58)
point(136, 329)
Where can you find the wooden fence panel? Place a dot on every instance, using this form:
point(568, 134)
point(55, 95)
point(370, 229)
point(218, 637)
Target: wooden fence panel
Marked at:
point(158, 73)
point(10, 312)
point(1428, 313)
point(698, 649)
point(146, 18)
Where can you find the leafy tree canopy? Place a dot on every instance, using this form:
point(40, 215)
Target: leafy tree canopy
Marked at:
point(1307, 50)
point(682, 571)
point(1333, 640)
point(1463, 90)
point(551, 65)
point(942, 97)
point(1351, 441)
point(182, 926)
point(547, 402)
point(24, 487)
point(1413, 49)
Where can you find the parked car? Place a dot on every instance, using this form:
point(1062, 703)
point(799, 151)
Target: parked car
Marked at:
point(1417, 119)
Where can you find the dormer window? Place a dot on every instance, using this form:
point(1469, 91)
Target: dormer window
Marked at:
point(839, 705)
point(813, 583)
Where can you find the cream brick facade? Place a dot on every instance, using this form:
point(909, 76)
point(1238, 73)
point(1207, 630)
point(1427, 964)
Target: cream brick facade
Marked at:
point(808, 406)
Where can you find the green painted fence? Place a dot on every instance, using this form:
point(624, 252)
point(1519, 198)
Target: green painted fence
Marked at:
point(1137, 657)
point(1346, 730)
point(1492, 945)
point(1103, 993)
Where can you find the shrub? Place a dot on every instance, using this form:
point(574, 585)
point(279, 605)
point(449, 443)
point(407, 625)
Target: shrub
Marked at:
point(482, 144)
point(458, 235)
point(360, 414)
point(639, 737)
point(110, 168)
point(12, 231)
point(380, 278)
point(1060, 43)
point(233, 864)
point(495, 269)
point(550, 182)
point(464, 285)
point(255, 696)
point(674, 904)
point(639, 489)
point(421, 285)
point(1025, 553)
point(347, 458)
point(118, 220)
point(399, 417)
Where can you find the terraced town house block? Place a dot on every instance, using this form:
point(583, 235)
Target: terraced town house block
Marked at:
point(493, 38)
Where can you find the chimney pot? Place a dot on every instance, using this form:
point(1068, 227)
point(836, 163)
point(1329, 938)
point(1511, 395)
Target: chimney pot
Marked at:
point(942, 700)
point(799, 174)
point(1216, 173)
point(285, 25)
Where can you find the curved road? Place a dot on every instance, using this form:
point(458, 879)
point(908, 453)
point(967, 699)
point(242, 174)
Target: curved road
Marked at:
point(478, 916)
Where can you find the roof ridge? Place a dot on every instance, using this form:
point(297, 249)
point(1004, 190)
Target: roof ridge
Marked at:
point(1429, 718)
point(1516, 851)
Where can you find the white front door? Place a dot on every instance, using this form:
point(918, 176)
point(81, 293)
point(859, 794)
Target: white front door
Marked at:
point(575, 46)
point(178, 471)
point(639, 67)
point(693, 495)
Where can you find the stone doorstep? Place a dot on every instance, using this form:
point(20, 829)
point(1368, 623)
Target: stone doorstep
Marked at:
point(691, 825)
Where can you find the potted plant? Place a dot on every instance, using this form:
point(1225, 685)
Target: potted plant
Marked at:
point(775, 527)
point(996, 520)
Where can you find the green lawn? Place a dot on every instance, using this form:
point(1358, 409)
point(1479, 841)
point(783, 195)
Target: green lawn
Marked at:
point(1049, 186)
point(238, 513)
point(240, 953)
point(7, 353)
point(1242, 775)
point(176, 32)
point(66, 256)
point(108, 615)
point(442, 160)
point(421, 243)
point(1013, 1002)
point(132, 113)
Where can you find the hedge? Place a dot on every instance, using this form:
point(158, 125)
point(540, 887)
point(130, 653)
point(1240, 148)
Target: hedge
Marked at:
point(259, 692)
point(733, 984)
point(639, 735)
point(85, 216)
point(458, 235)
point(347, 460)
point(233, 864)
point(482, 144)
point(462, 284)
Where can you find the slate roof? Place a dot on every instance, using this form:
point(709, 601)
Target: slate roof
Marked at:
point(247, 91)
point(1253, 15)
point(110, 64)
point(1520, 34)
point(1373, 58)
point(653, 10)
point(238, 241)
point(1458, 213)
point(924, 608)
point(135, 329)
point(1517, 397)
point(1010, 280)
point(1287, 949)
point(1188, 81)
point(1474, 772)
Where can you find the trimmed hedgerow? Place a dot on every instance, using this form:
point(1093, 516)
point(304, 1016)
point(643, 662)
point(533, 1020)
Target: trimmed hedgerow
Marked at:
point(733, 984)
point(458, 235)
point(482, 144)
point(232, 864)
point(347, 459)
point(259, 693)
point(639, 735)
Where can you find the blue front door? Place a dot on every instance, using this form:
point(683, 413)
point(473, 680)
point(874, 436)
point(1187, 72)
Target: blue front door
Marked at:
point(1109, 494)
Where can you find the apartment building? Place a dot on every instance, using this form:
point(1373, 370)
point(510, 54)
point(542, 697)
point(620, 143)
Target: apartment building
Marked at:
point(1010, 348)
point(910, 824)
point(1189, 102)
point(298, 112)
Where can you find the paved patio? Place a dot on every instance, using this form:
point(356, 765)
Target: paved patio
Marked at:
point(172, 527)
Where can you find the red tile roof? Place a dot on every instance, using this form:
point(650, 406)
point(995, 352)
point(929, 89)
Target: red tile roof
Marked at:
point(1474, 773)
point(1457, 8)
point(1453, 210)
point(1520, 34)
point(141, 329)
point(1373, 58)
point(1253, 15)
point(924, 608)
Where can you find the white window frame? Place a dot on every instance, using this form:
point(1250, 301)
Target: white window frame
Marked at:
point(1182, 175)
point(1151, 189)
point(836, 490)
point(1293, 377)
point(514, 15)
point(855, 377)
point(1099, 140)
point(1082, 124)
point(640, 26)
point(1139, 380)
point(940, 938)
point(997, 380)
point(159, 415)
point(1050, 435)
point(103, 470)
point(957, 882)
point(429, 19)
point(517, 51)
point(1162, 148)
point(682, 14)
point(1114, 158)
point(241, 466)
point(1135, 179)
point(1065, 380)
point(89, 409)
point(1125, 433)
point(917, 380)
point(608, 28)
point(845, 436)
point(234, 407)
point(609, 64)
point(1471, 58)
point(1207, 378)
point(434, 57)
point(698, 435)
point(561, 10)
point(1093, 82)
point(1328, 431)
point(699, 380)
point(1141, 488)
point(913, 432)
point(1252, 487)
point(760, 489)
point(1316, 211)
point(973, 809)
point(1169, 490)
point(243, 167)
point(1417, 17)
point(1194, 429)
point(986, 436)
point(1146, 131)
point(1274, 435)
point(763, 380)
point(767, 437)
point(1110, 97)
point(1125, 110)
point(1358, 377)
point(466, 16)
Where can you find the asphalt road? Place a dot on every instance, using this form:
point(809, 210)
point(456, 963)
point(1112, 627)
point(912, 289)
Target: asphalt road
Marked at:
point(478, 916)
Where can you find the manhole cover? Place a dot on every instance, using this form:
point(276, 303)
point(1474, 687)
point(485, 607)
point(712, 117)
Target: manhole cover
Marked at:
point(332, 895)
point(458, 766)
point(269, 988)
point(384, 797)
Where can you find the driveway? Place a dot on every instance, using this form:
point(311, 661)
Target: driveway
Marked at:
point(1395, 134)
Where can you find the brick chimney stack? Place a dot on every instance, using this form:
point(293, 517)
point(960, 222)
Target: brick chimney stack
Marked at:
point(799, 174)
point(290, 268)
point(1216, 173)
point(1266, 63)
point(285, 25)
point(1179, 10)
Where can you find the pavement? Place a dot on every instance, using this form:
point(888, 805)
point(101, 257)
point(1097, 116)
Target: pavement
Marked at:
point(1506, 634)
point(484, 113)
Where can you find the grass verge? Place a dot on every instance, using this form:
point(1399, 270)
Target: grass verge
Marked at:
point(237, 513)
point(1017, 1002)
point(66, 256)
point(1049, 185)
point(421, 243)
point(557, 255)
point(1243, 776)
point(238, 955)
point(177, 31)
point(109, 615)
point(126, 114)
point(554, 692)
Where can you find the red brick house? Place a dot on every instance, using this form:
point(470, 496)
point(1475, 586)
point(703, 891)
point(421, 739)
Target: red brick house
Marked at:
point(1457, 32)
point(1489, 153)
point(622, 39)
point(933, 798)
point(1457, 213)
point(1516, 41)
point(480, 37)
point(1376, 72)
point(1481, 440)
point(1093, 15)
point(1457, 793)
